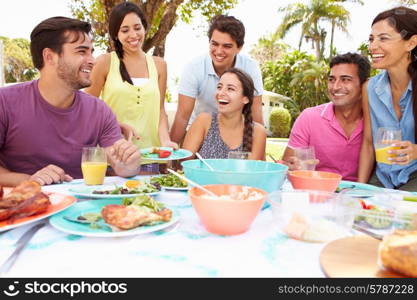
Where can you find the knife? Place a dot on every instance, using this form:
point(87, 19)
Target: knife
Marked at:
point(20, 245)
point(367, 232)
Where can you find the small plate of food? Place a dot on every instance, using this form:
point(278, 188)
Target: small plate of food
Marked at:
point(130, 188)
point(164, 153)
point(115, 217)
point(26, 203)
point(170, 182)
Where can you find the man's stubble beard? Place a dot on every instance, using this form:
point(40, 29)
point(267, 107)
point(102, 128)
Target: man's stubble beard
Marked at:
point(70, 76)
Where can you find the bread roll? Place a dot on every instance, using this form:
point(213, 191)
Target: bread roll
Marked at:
point(398, 252)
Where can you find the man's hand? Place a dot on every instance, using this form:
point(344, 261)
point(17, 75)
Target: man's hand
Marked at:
point(124, 157)
point(50, 174)
point(294, 163)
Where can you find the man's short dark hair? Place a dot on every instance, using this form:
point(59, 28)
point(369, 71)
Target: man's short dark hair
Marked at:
point(364, 67)
point(53, 33)
point(230, 25)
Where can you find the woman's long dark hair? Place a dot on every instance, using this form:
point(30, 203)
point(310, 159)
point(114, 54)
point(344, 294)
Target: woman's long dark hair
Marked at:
point(116, 18)
point(404, 20)
point(248, 91)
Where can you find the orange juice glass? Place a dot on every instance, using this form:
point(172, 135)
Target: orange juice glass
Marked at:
point(93, 165)
point(385, 137)
point(382, 155)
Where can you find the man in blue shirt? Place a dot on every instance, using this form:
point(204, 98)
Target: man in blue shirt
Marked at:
point(199, 81)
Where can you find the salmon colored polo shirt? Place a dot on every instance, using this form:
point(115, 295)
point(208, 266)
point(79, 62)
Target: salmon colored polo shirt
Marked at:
point(317, 126)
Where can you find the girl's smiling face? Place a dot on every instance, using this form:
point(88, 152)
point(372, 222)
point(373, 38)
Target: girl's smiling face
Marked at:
point(131, 32)
point(229, 94)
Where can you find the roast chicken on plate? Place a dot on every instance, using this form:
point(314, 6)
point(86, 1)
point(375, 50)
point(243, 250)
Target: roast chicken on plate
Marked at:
point(24, 200)
point(128, 217)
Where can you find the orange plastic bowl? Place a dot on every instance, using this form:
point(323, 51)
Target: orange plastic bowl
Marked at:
point(314, 180)
point(227, 216)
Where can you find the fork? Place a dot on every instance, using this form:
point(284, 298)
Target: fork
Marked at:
point(81, 221)
point(20, 245)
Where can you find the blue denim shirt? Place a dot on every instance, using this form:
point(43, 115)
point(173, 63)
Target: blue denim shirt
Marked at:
point(383, 115)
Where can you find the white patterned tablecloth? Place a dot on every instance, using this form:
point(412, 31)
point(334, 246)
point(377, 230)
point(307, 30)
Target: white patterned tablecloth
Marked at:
point(184, 250)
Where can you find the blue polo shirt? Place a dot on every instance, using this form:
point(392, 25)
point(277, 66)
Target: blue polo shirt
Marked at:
point(383, 115)
point(199, 81)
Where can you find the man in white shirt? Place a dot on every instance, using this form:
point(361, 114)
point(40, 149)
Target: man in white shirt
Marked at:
point(199, 80)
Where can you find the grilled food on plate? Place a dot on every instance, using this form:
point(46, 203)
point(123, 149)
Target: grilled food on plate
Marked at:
point(128, 217)
point(24, 200)
point(134, 212)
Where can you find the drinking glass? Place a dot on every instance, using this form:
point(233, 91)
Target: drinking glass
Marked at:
point(93, 165)
point(306, 158)
point(385, 137)
point(238, 155)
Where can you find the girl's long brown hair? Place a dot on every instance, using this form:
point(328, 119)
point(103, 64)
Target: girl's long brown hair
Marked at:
point(248, 91)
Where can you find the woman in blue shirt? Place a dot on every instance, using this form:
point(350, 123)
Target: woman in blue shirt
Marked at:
point(388, 98)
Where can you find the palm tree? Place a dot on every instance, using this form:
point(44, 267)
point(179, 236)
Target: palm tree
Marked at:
point(310, 16)
point(406, 2)
point(342, 20)
point(268, 48)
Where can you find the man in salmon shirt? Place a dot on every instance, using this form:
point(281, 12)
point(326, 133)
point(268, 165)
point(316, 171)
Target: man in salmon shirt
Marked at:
point(334, 128)
point(45, 123)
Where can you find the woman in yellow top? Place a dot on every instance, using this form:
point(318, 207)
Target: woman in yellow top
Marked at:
point(132, 82)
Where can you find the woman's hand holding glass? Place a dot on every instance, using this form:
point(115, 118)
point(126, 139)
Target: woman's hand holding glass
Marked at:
point(387, 146)
point(405, 153)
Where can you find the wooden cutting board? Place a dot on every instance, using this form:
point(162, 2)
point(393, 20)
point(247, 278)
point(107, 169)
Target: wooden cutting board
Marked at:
point(354, 256)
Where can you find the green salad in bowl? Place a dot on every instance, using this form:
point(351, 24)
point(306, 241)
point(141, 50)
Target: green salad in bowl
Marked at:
point(169, 180)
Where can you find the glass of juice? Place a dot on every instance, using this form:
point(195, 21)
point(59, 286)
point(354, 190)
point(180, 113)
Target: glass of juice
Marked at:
point(306, 158)
point(238, 155)
point(385, 137)
point(93, 165)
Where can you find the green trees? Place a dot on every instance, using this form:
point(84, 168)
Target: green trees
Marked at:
point(298, 76)
point(280, 122)
point(269, 48)
point(311, 16)
point(18, 64)
point(161, 15)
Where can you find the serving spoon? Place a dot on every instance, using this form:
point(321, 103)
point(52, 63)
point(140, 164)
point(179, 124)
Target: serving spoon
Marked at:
point(193, 183)
point(204, 161)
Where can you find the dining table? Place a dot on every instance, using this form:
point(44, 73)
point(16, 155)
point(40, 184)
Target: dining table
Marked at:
point(184, 249)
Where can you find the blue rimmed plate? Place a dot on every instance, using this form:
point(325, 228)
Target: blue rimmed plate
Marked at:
point(87, 192)
point(173, 188)
point(344, 184)
point(175, 154)
point(82, 208)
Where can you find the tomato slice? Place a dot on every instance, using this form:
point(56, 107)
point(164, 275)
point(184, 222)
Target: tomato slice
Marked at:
point(364, 206)
point(164, 153)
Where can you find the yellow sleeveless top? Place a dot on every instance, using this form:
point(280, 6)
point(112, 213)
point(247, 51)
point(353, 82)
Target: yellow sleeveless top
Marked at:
point(138, 106)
